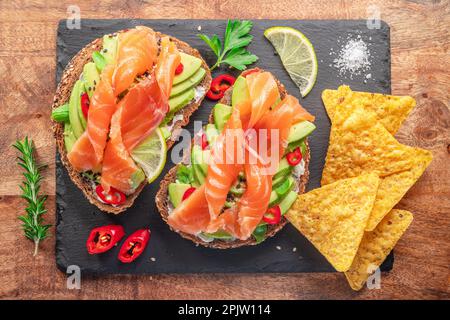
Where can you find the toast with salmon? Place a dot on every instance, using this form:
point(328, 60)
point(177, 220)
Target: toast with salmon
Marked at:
point(188, 212)
point(114, 95)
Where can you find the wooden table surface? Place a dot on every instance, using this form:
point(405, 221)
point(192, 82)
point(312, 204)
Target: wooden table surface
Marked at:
point(420, 63)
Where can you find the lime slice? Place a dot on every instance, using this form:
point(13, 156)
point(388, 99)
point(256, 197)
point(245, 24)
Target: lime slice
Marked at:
point(151, 155)
point(297, 54)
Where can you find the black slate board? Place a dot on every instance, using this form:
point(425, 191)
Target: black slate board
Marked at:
point(76, 216)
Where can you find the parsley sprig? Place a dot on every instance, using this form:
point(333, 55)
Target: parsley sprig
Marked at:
point(233, 51)
point(32, 221)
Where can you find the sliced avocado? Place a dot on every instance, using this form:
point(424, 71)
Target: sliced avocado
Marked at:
point(69, 137)
point(288, 201)
point(198, 164)
point(190, 82)
point(190, 66)
point(99, 60)
point(200, 158)
point(109, 50)
point(283, 189)
point(223, 235)
point(137, 178)
point(211, 133)
point(274, 199)
point(284, 168)
point(240, 91)
point(178, 102)
point(300, 130)
point(221, 114)
point(277, 197)
point(176, 192)
point(91, 78)
point(75, 109)
point(276, 182)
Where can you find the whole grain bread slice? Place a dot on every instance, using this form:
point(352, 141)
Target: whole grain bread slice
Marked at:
point(163, 202)
point(71, 74)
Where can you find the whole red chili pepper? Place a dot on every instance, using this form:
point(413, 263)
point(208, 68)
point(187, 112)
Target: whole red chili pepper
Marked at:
point(114, 196)
point(273, 215)
point(294, 157)
point(85, 104)
point(101, 239)
point(134, 245)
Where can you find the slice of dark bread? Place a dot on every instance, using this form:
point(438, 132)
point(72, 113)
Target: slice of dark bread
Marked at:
point(162, 197)
point(70, 75)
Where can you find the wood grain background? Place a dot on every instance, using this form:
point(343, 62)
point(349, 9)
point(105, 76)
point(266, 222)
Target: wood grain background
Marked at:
point(420, 63)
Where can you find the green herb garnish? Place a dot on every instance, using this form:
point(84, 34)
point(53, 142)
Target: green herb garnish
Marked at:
point(233, 51)
point(185, 174)
point(33, 226)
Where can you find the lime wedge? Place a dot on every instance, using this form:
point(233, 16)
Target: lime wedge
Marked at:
point(297, 55)
point(151, 155)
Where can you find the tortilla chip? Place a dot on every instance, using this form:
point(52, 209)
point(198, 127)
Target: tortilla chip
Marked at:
point(391, 110)
point(392, 189)
point(376, 245)
point(360, 144)
point(333, 217)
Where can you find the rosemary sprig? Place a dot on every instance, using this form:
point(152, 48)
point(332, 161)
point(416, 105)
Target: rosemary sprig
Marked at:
point(33, 226)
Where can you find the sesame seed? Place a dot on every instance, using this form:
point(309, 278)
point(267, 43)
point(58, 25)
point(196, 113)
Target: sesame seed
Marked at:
point(199, 28)
point(294, 249)
point(278, 247)
point(153, 259)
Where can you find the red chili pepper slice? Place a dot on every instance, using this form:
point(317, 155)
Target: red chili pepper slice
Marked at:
point(85, 104)
point(134, 245)
point(219, 85)
point(214, 96)
point(273, 215)
point(101, 239)
point(187, 193)
point(179, 69)
point(205, 142)
point(294, 157)
point(114, 196)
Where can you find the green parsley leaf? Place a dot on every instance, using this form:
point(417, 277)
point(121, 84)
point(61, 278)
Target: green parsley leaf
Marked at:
point(233, 51)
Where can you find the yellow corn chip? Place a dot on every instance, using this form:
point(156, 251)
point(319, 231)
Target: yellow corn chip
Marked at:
point(333, 217)
point(376, 245)
point(392, 188)
point(360, 144)
point(391, 110)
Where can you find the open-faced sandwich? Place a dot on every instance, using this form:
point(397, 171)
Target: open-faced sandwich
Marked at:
point(218, 201)
point(119, 102)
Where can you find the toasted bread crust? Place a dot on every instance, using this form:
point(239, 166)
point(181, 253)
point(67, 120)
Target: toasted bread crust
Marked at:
point(70, 75)
point(162, 197)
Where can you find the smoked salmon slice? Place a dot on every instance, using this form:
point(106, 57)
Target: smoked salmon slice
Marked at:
point(118, 166)
point(255, 200)
point(87, 152)
point(136, 53)
point(263, 91)
point(192, 215)
point(138, 114)
point(144, 107)
point(225, 164)
point(168, 60)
